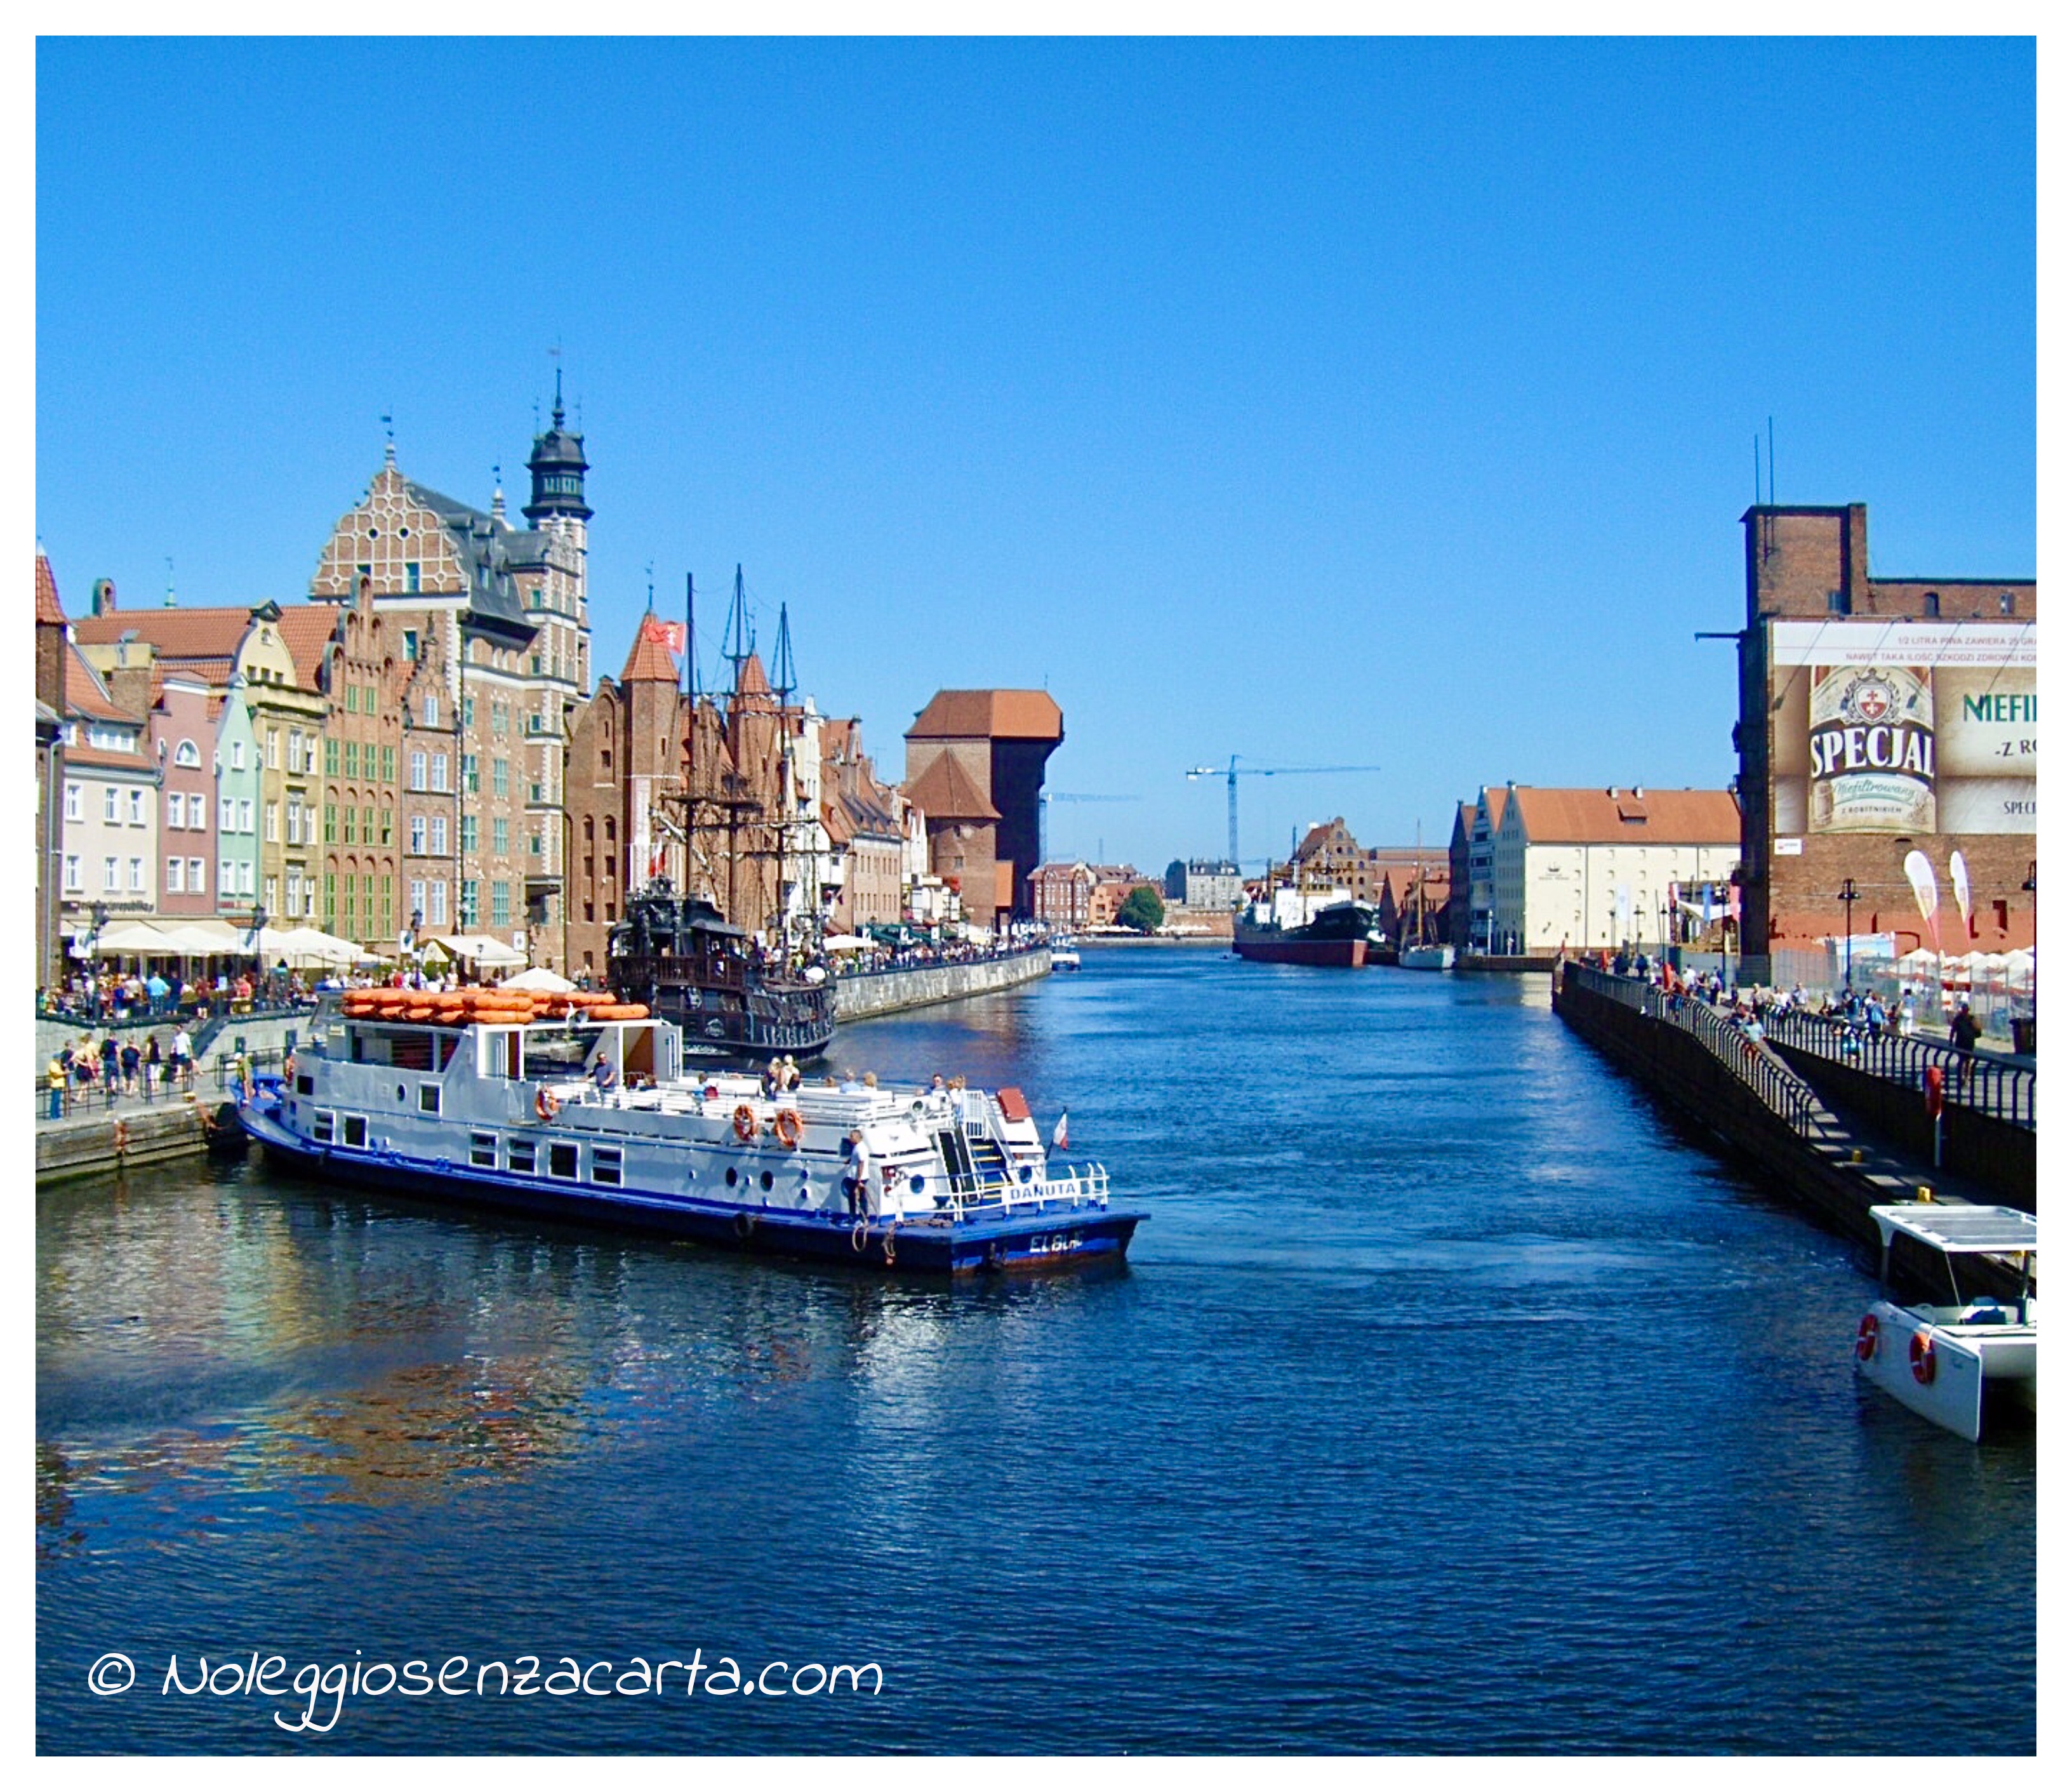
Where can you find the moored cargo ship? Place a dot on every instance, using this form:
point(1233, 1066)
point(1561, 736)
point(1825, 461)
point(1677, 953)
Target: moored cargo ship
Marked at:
point(1294, 927)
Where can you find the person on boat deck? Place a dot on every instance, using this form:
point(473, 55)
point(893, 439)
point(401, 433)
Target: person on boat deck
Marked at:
point(855, 1174)
point(773, 1077)
point(791, 1073)
point(602, 1073)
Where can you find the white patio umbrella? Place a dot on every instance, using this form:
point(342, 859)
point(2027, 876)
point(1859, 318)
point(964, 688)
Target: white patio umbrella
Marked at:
point(540, 978)
point(481, 949)
point(847, 943)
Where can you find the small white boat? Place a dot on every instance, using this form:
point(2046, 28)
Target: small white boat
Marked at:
point(1064, 955)
point(1425, 958)
point(1955, 1362)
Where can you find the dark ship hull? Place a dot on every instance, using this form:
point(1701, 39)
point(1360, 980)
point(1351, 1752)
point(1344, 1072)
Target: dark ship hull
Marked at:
point(690, 965)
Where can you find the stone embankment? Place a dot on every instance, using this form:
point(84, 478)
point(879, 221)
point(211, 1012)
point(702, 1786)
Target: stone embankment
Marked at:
point(1745, 1094)
point(876, 993)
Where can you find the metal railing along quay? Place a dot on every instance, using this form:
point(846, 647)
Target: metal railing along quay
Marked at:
point(1989, 1084)
point(1779, 1088)
point(215, 1082)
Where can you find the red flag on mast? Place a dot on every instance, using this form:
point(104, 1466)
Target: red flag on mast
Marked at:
point(1062, 1138)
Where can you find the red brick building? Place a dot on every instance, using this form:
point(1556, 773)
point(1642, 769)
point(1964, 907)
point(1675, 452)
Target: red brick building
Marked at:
point(975, 767)
point(1880, 716)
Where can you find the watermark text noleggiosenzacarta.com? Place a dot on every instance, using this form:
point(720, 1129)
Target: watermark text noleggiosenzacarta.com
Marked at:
point(311, 1695)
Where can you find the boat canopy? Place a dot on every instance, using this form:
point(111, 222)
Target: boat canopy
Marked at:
point(1958, 1231)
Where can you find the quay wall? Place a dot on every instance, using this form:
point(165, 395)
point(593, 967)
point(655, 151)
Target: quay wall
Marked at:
point(876, 993)
point(1676, 1068)
point(109, 1145)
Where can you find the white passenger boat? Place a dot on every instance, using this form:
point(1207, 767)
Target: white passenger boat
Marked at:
point(581, 1109)
point(1955, 1362)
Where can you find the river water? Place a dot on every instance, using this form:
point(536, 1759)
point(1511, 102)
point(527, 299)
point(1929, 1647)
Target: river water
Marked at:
point(1452, 1402)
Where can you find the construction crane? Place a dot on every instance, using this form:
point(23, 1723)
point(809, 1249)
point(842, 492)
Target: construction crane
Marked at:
point(1045, 799)
point(1234, 771)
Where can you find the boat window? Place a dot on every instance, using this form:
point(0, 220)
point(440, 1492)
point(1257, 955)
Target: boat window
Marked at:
point(428, 1098)
point(482, 1150)
point(356, 1131)
point(553, 1054)
point(323, 1124)
point(562, 1161)
point(604, 1164)
point(410, 1051)
point(305, 1085)
point(521, 1156)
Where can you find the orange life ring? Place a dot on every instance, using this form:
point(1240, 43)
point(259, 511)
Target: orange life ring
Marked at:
point(1867, 1338)
point(1921, 1358)
point(545, 1105)
point(744, 1123)
point(788, 1128)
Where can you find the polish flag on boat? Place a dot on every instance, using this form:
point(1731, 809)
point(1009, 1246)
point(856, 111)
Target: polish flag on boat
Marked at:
point(1062, 1138)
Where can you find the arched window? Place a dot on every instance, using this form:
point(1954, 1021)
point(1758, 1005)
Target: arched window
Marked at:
point(187, 754)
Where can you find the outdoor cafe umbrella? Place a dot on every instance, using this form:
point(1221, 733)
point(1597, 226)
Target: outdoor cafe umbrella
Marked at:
point(480, 949)
point(540, 978)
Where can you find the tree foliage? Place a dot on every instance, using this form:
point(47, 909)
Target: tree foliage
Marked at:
point(1141, 909)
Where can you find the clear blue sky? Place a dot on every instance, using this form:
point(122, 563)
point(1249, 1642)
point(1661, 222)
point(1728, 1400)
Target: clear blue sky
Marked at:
point(1384, 403)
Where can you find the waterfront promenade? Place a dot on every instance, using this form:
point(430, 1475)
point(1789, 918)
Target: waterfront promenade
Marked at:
point(1837, 1131)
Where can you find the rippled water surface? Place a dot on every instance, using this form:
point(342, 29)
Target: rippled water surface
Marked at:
point(1452, 1402)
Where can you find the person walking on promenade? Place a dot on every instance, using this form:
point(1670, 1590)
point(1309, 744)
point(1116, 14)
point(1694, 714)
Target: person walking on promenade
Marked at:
point(182, 1059)
point(154, 1068)
point(1965, 1028)
point(111, 1068)
point(133, 1061)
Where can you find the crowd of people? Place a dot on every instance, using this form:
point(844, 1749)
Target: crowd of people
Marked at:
point(79, 1071)
point(919, 954)
point(117, 998)
point(1864, 1014)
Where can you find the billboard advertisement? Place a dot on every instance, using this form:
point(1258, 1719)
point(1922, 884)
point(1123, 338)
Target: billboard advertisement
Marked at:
point(1903, 727)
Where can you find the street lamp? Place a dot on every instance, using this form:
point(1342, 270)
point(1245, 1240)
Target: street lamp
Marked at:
point(96, 919)
point(1848, 896)
point(258, 949)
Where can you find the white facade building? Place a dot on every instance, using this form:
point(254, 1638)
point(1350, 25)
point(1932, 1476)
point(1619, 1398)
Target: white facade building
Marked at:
point(1592, 868)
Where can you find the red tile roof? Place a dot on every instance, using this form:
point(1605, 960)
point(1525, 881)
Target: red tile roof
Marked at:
point(48, 609)
point(1647, 816)
point(649, 662)
point(172, 634)
point(948, 793)
point(994, 715)
point(306, 629)
point(85, 695)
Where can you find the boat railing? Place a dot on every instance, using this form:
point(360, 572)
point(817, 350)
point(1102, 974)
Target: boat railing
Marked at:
point(1081, 1186)
point(1781, 1089)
